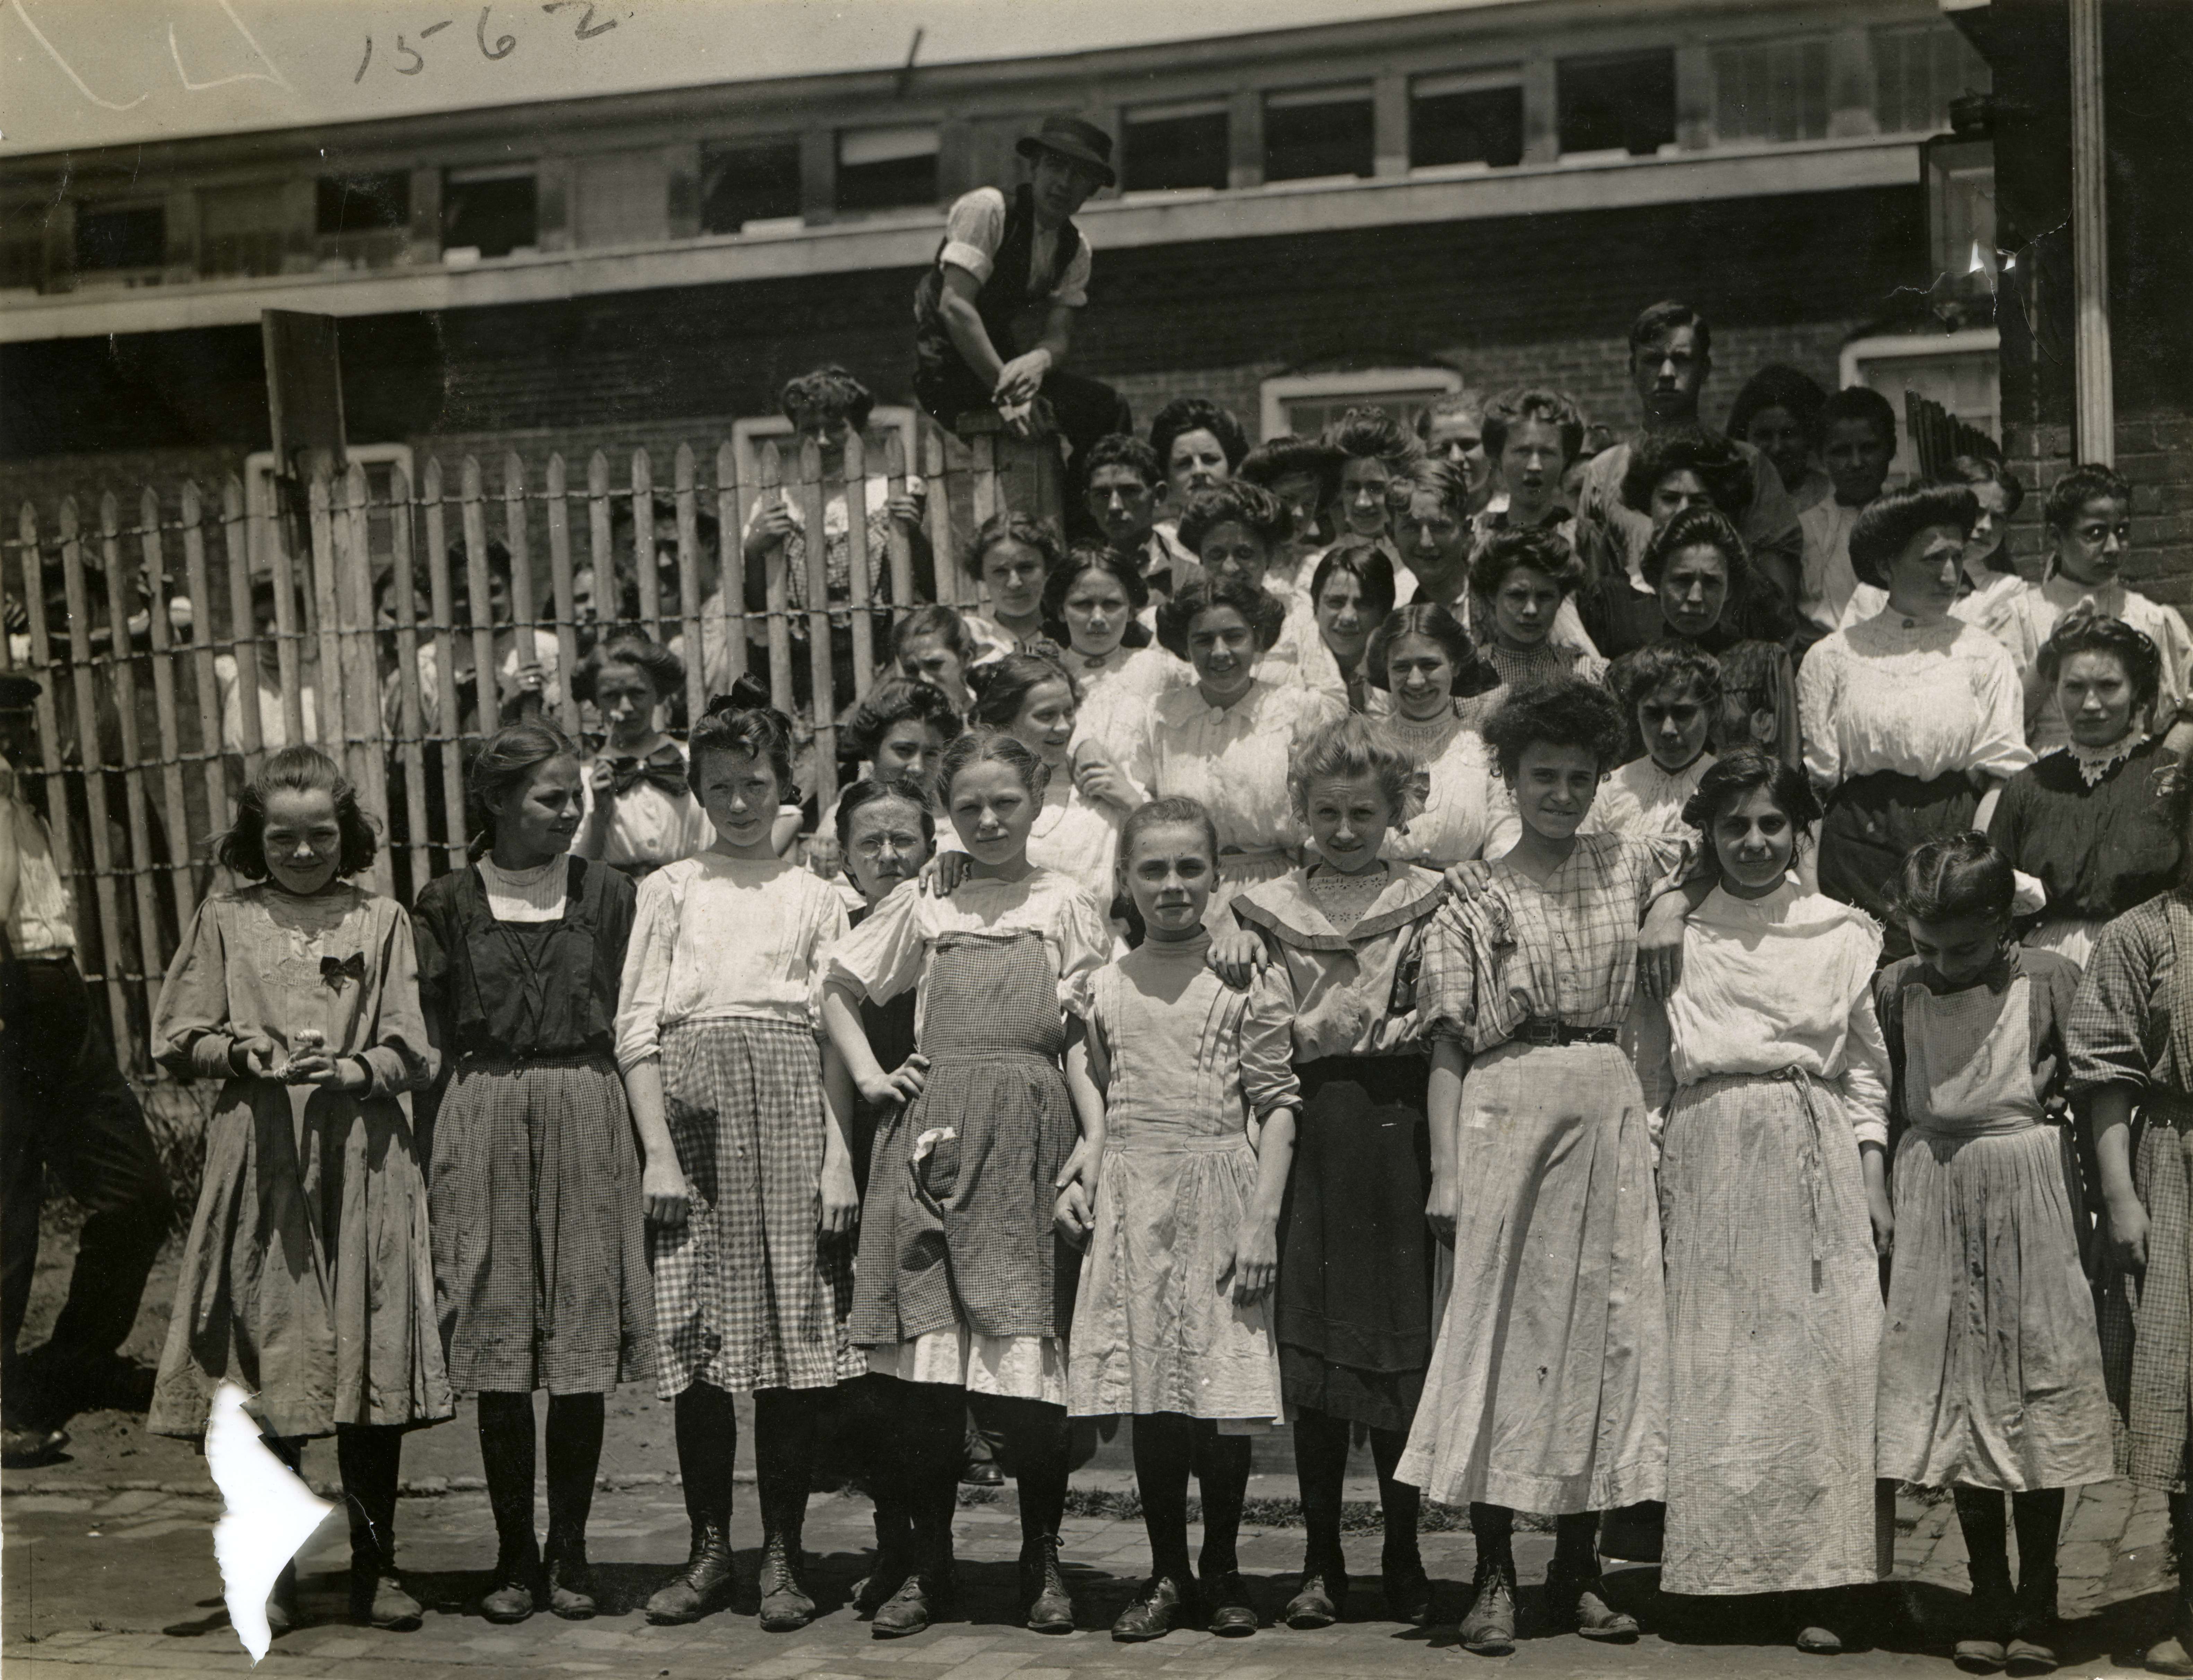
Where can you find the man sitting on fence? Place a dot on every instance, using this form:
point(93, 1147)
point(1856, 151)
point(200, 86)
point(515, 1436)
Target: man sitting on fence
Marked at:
point(1000, 257)
point(64, 1105)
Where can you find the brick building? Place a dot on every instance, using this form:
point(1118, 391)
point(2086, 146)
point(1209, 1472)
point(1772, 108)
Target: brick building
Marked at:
point(1374, 209)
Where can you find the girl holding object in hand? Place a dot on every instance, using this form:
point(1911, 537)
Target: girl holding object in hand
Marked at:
point(1173, 1323)
point(307, 1278)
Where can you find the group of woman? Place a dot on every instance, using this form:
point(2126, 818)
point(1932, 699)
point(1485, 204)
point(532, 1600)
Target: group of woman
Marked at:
point(1255, 982)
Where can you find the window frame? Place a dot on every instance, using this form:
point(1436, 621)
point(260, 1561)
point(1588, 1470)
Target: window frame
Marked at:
point(120, 274)
point(1861, 353)
point(1275, 394)
point(934, 153)
point(1174, 111)
point(1358, 93)
point(1445, 84)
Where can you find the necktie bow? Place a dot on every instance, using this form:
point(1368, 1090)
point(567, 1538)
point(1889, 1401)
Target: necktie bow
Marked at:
point(665, 766)
point(335, 970)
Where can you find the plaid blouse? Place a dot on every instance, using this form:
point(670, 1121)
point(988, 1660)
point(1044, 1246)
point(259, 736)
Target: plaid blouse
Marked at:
point(2119, 1032)
point(1565, 949)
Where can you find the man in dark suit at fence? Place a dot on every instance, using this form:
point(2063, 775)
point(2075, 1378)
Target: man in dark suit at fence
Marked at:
point(1001, 257)
point(63, 1105)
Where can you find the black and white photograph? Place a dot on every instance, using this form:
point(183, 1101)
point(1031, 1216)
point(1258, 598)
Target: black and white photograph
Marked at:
point(1093, 840)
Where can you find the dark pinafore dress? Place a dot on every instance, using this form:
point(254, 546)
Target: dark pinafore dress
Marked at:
point(957, 1229)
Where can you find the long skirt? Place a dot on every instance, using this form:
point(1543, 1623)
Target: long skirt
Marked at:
point(540, 1229)
point(307, 1278)
point(1872, 821)
point(1354, 1296)
point(2147, 1319)
point(1156, 1327)
point(1990, 1369)
point(747, 1293)
point(1549, 1385)
point(1774, 1324)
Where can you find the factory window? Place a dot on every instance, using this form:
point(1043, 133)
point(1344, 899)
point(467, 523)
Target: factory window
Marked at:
point(1771, 91)
point(1617, 102)
point(891, 168)
point(746, 182)
point(116, 238)
point(1170, 147)
point(371, 203)
point(1918, 69)
point(1306, 403)
point(1475, 116)
point(1313, 132)
point(491, 212)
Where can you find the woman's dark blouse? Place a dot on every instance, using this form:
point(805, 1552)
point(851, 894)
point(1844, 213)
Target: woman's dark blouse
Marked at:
point(520, 989)
point(2099, 850)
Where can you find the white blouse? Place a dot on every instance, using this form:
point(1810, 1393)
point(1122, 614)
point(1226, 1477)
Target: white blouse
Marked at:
point(1466, 800)
point(1234, 759)
point(889, 952)
point(2037, 609)
point(1642, 798)
point(646, 824)
point(1924, 701)
point(717, 938)
point(1782, 981)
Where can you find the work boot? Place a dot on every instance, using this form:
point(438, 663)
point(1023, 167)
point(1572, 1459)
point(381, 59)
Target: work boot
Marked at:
point(1322, 1598)
point(1226, 1604)
point(570, 1581)
point(510, 1598)
point(1042, 1588)
point(1578, 1599)
point(786, 1605)
point(377, 1597)
point(1489, 1629)
point(704, 1584)
point(1162, 1604)
point(1408, 1589)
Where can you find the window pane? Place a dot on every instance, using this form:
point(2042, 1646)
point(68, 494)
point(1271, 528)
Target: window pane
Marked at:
point(1329, 138)
point(362, 203)
point(744, 183)
point(1176, 151)
point(886, 168)
point(1771, 91)
point(1917, 70)
point(498, 216)
point(242, 230)
point(1481, 125)
point(621, 199)
point(1617, 102)
point(117, 239)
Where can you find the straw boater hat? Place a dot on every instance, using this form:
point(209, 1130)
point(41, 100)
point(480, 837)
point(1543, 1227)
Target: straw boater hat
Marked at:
point(1084, 143)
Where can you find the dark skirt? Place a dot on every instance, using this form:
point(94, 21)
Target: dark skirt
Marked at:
point(1355, 1300)
point(1872, 822)
point(540, 1275)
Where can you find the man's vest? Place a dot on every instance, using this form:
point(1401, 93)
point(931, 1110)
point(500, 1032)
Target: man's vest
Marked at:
point(1000, 302)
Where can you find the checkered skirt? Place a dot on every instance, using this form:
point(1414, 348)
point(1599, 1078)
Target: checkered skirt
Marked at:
point(748, 1294)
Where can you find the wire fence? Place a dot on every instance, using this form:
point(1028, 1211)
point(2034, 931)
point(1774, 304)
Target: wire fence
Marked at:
point(174, 653)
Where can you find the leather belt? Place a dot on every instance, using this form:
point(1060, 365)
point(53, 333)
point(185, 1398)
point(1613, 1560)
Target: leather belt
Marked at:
point(1551, 1029)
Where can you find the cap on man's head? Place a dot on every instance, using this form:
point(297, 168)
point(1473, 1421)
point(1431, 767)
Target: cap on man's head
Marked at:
point(1084, 143)
point(18, 693)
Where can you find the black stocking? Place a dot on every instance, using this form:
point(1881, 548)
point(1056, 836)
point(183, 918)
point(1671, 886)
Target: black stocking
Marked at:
point(1165, 1452)
point(1576, 1543)
point(575, 1455)
point(505, 1438)
point(1987, 1543)
point(931, 1435)
point(1400, 1502)
point(1320, 1469)
point(1031, 1442)
point(2039, 1516)
point(1492, 1527)
point(784, 1459)
point(708, 1427)
point(369, 1456)
point(1221, 1473)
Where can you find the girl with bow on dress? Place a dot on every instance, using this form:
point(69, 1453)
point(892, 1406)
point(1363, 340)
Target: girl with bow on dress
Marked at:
point(307, 1278)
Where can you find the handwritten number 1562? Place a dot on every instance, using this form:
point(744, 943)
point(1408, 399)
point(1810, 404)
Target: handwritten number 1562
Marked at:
point(504, 46)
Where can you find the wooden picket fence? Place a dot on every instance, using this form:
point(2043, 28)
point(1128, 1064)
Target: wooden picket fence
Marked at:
point(146, 736)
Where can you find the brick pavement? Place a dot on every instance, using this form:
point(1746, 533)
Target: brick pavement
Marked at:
point(120, 1584)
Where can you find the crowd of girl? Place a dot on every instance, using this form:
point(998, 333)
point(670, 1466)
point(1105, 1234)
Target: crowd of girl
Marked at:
point(1351, 955)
